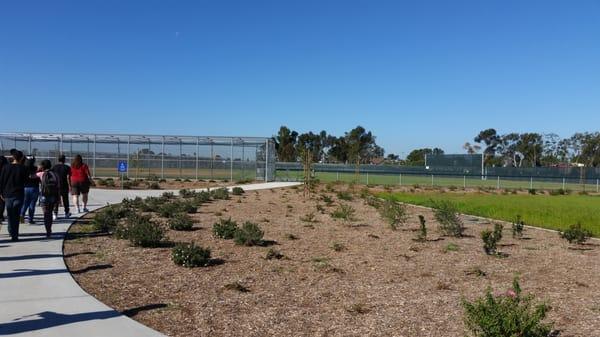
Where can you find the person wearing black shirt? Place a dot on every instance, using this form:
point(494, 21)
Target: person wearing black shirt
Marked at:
point(3, 162)
point(63, 172)
point(12, 191)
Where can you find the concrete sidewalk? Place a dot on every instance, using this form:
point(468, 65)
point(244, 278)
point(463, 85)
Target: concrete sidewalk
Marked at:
point(38, 296)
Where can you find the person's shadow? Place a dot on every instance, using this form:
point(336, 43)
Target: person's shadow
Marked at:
point(50, 319)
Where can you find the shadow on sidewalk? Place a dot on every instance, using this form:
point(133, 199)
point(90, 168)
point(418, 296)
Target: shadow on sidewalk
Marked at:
point(49, 319)
point(31, 272)
point(28, 257)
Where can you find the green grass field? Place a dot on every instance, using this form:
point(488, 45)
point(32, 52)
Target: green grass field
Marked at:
point(442, 181)
point(552, 212)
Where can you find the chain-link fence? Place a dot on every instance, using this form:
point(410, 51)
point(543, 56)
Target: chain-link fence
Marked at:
point(184, 157)
point(572, 178)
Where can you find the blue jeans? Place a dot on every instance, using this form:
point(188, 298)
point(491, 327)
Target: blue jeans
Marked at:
point(31, 198)
point(13, 208)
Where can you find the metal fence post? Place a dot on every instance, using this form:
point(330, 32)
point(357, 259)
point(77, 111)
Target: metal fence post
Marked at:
point(197, 154)
point(400, 179)
point(162, 159)
point(498, 183)
point(563, 184)
point(337, 176)
point(128, 154)
point(266, 160)
point(432, 180)
point(94, 159)
point(464, 182)
point(530, 183)
point(231, 159)
point(597, 185)
point(367, 178)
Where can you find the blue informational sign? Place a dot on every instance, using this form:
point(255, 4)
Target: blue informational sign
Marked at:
point(122, 167)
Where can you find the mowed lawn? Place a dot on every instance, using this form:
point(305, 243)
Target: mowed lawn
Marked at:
point(553, 212)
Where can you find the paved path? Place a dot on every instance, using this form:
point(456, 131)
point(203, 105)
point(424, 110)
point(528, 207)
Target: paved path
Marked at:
point(38, 296)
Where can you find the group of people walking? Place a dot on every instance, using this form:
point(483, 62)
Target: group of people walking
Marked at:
point(23, 184)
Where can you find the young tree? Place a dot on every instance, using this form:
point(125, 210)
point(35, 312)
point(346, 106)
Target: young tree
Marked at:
point(471, 148)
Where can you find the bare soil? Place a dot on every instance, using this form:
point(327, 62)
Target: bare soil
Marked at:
point(376, 282)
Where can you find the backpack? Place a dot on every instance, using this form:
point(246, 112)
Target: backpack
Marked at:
point(49, 184)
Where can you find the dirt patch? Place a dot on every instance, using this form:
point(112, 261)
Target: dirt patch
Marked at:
point(335, 278)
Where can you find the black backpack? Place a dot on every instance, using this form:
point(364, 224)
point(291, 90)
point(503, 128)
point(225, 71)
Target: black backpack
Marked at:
point(49, 184)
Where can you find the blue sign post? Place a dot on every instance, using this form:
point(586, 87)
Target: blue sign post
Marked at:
point(122, 168)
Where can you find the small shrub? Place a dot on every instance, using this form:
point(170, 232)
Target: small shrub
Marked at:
point(517, 228)
point(358, 309)
point(249, 234)
point(291, 237)
point(532, 191)
point(237, 191)
point(344, 211)
point(491, 239)
point(274, 254)
point(152, 177)
point(225, 229)
point(422, 236)
point(509, 314)
point(237, 286)
point(154, 186)
point(189, 255)
point(344, 195)
point(394, 213)
point(373, 202)
point(559, 191)
point(320, 208)
point(220, 194)
point(451, 247)
point(576, 234)
point(107, 219)
point(364, 193)
point(327, 200)
point(185, 193)
point(127, 185)
point(446, 214)
point(142, 232)
point(201, 197)
point(338, 247)
point(181, 222)
point(309, 217)
point(101, 182)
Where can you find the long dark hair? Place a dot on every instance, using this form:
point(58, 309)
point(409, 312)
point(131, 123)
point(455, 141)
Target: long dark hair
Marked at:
point(77, 161)
point(30, 164)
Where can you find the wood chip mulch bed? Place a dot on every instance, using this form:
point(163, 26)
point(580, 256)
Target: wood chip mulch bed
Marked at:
point(377, 282)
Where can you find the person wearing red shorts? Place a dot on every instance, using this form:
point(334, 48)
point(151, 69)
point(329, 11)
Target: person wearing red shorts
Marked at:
point(81, 181)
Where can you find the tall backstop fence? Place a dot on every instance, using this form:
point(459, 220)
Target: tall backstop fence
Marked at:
point(573, 178)
point(184, 157)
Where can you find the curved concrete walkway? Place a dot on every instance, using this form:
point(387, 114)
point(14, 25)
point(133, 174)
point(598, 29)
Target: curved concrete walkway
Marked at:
point(38, 296)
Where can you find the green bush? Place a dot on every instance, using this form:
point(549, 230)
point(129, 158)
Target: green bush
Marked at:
point(249, 234)
point(220, 194)
point(107, 219)
point(532, 191)
point(394, 213)
point(189, 255)
point(344, 195)
point(576, 234)
point(507, 315)
point(327, 199)
point(225, 229)
point(142, 232)
point(201, 197)
point(345, 212)
point(169, 209)
point(181, 222)
point(517, 227)
point(446, 214)
point(237, 190)
point(491, 239)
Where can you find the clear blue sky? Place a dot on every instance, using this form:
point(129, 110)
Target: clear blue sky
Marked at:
point(416, 73)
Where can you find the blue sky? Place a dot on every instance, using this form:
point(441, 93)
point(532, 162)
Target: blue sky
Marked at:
point(416, 73)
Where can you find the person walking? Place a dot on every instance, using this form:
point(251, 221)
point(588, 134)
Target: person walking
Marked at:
point(63, 171)
point(81, 181)
point(12, 192)
point(3, 163)
point(49, 193)
point(32, 191)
